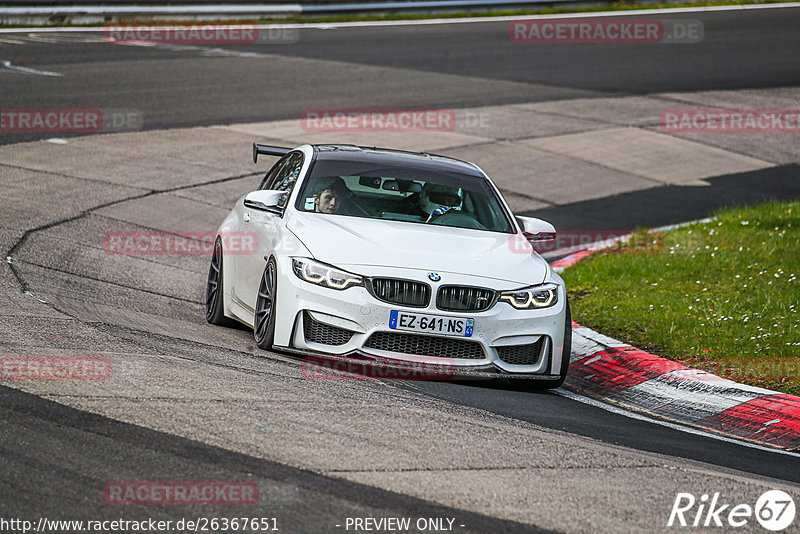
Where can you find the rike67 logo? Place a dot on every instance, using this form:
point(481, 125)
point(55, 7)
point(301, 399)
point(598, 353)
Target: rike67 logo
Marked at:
point(774, 510)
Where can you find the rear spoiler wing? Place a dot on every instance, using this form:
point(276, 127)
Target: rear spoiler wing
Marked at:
point(268, 150)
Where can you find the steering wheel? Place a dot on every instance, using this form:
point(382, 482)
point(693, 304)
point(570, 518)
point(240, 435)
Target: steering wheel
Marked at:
point(456, 218)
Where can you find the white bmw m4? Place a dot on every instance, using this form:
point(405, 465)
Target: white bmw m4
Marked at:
point(394, 257)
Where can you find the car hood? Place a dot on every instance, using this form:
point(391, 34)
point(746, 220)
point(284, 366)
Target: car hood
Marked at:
point(342, 240)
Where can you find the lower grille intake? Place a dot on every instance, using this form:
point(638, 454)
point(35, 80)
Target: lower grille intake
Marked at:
point(318, 332)
point(419, 345)
point(521, 354)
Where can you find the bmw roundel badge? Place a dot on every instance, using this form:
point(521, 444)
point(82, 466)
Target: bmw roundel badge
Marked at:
point(434, 277)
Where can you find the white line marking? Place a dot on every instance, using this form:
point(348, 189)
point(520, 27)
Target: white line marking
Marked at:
point(334, 25)
point(45, 38)
point(592, 360)
point(619, 411)
point(767, 424)
point(7, 64)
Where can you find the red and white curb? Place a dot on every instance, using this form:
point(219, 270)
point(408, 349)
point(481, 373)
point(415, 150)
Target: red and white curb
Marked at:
point(606, 369)
point(570, 260)
point(617, 373)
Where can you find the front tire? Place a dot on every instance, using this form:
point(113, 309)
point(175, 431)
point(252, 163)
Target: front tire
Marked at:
point(215, 308)
point(264, 320)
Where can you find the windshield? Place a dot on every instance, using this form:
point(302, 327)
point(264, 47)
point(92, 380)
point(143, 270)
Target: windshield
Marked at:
point(403, 194)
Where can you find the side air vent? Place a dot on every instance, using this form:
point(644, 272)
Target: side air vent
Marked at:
point(318, 332)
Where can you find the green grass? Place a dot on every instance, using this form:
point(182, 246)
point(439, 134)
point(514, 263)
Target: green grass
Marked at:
point(721, 296)
point(312, 19)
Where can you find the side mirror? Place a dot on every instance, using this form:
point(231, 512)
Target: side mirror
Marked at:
point(536, 230)
point(265, 201)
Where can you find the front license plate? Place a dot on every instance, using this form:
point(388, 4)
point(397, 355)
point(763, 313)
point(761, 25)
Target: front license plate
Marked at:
point(432, 324)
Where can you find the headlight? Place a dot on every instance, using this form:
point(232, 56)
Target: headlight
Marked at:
point(541, 296)
point(324, 275)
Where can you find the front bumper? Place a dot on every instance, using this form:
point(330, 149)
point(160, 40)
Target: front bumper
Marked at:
point(357, 311)
point(321, 365)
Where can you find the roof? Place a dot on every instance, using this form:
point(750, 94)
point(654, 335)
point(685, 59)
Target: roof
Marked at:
point(395, 158)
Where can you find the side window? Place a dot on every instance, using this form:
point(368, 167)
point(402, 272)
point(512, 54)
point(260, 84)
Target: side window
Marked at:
point(269, 179)
point(287, 176)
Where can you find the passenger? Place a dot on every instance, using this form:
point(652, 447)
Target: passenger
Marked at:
point(438, 199)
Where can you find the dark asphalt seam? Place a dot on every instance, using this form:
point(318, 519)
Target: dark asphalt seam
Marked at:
point(698, 141)
point(21, 241)
point(653, 126)
point(144, 258)
point(529, 197)
point(26, 288)
point(676, 135)
point(150, 259)
point(33, 318)
point(563, 115)
point(115, 329)
point(22, 456)
point(94, 279)
point(70, 177)
point(232, 352)
point(84, 213)
point(560, 115)
point(226, 400)
point(602, 166)
point(16, 403)
point(500, 468)
point(206, 202)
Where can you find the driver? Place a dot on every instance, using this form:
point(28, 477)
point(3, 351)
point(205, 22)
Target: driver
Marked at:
point(438, 199)
point(329, 195)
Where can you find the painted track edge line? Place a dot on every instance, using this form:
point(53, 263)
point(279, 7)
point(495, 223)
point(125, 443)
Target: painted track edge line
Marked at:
point(646, 417)
point(466, 20)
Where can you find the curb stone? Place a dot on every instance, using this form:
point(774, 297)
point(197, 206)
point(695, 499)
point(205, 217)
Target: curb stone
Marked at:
point(618, 373)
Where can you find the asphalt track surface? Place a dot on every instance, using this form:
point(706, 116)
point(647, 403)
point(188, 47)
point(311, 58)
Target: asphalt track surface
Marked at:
point(175, 88)
point(45, 442)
